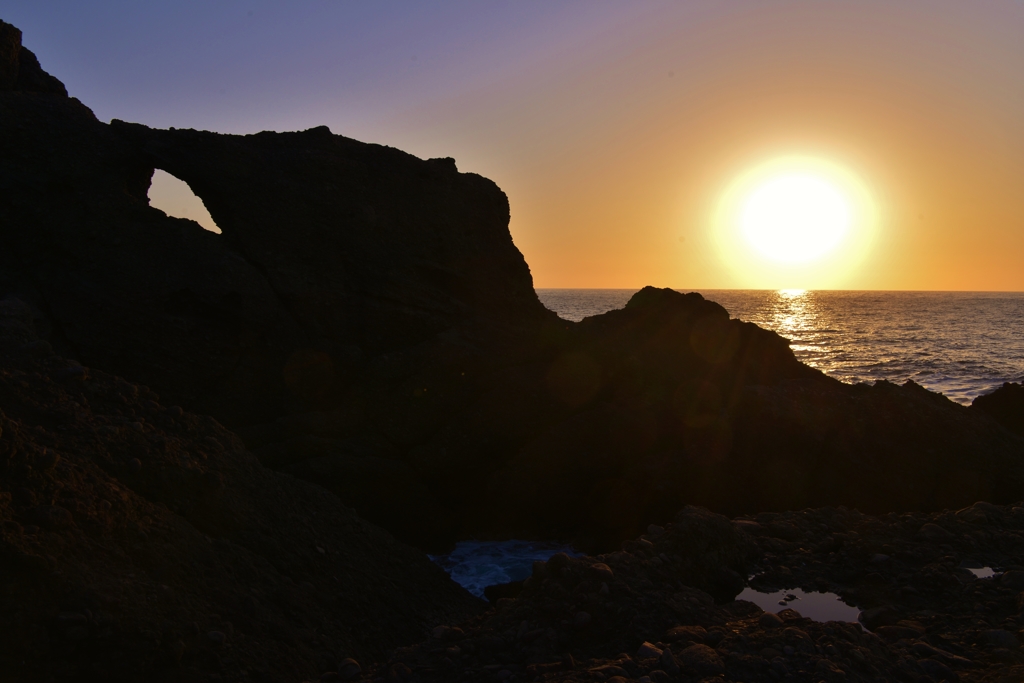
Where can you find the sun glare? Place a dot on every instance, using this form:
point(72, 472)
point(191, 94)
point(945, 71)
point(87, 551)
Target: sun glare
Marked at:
point(795, 222)
point(795, 218)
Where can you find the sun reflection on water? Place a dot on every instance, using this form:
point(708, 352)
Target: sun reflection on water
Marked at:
point(959, 343)
point(795, 315)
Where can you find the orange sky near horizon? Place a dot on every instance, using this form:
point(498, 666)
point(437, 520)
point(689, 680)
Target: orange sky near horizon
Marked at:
point(625, 153)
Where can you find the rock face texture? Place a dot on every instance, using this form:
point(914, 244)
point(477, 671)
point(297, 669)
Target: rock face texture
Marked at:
point(142, 542)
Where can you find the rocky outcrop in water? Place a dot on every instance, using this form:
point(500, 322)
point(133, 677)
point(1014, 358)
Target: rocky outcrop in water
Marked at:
point(1005, 405)
point(694, 408)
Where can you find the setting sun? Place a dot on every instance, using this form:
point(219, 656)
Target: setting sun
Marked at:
point(795, 218)
point(794, 222)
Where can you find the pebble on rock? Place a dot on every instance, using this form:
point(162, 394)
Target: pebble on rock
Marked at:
point(47, 459)
point(1013, 579)
point(934, 532)
point(886, 615)
point(348, 669)
point(1000, 638)
point(938, 671)
point(695, 634)
point(51, 517)
point(701, 660)
point(601, 572)
point(647, 651)
point(669, 663)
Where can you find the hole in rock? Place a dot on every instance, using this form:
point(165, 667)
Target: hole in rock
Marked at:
point(175, 198)
point(816, 606)
point(475, 565)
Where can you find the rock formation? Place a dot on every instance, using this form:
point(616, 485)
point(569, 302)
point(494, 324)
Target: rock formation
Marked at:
point(333, 252)
point(1005, 405)
point(19, 68)
point(365, 322)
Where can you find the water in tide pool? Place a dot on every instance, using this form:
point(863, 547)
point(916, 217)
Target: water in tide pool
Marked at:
point(475, 565)
point(816, 606)
point(960, 344)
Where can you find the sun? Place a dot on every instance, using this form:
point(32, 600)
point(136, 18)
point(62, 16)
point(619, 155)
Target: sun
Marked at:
point(795, 222)
point(795, 218)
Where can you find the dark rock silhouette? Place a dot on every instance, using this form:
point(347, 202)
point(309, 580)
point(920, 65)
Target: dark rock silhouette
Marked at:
point(364, 250)
point(365, 322)
point(19, 68)
point(1005, 405)
point(369, 248)
point(120, 285)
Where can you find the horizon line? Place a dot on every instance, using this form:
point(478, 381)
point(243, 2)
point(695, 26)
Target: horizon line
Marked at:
point(805, 289)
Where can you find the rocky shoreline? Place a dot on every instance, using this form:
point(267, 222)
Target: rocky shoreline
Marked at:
point(264, 431)
point(647, 613)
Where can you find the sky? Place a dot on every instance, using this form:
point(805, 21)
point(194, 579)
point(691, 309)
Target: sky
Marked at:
point(620, 131)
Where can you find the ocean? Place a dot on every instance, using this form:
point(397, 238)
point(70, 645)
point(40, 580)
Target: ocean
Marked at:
point(960, 344)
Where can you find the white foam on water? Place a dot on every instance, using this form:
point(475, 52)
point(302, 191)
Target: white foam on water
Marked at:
point(982, 572)
point(474, 565)
point(816, 606)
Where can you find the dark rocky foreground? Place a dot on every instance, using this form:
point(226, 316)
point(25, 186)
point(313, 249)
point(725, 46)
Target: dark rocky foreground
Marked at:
point(647, 613)
point(139, 541)
point(368, 333)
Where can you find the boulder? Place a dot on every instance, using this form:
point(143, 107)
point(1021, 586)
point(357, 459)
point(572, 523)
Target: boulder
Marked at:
point(700, 660)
